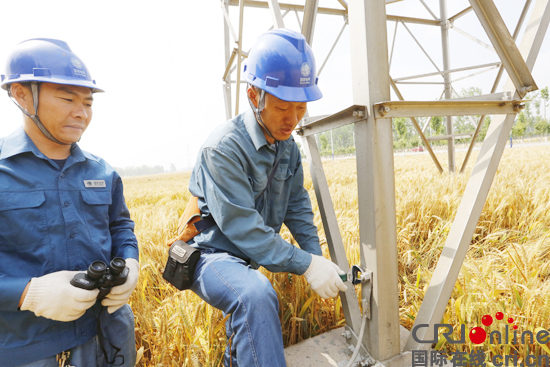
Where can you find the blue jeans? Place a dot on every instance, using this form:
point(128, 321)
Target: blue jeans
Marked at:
point(119, 330)
point(231, 285)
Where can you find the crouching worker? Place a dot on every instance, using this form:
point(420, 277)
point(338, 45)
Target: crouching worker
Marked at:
point(249, 180)
point(61, 209)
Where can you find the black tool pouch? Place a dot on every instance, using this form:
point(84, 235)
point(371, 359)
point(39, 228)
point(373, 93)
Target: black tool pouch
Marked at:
point(181, 264)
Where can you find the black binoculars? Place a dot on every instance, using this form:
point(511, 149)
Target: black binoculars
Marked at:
point(101, 277)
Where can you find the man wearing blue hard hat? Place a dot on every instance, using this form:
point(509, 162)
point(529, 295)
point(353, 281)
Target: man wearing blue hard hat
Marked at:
point(62, 211)
point(248, 179)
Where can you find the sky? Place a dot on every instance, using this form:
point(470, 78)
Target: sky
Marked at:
point(161, 64)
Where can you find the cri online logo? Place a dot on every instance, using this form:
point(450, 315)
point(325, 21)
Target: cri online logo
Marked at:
point(478, 334)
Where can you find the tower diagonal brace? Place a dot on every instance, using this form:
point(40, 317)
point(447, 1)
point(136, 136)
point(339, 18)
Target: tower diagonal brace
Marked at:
point(504, 45)
point(468, 214)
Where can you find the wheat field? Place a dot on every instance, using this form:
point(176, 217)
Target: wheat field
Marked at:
point(506, 268)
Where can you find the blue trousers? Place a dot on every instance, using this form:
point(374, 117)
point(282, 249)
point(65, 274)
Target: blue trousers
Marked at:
point(119, 330)
point(231, 285)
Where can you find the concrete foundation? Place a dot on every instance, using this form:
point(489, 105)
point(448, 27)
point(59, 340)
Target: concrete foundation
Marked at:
point(331, 350)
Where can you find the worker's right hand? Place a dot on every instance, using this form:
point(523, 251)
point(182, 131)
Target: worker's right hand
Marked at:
point(323, 277)
point(52, 296)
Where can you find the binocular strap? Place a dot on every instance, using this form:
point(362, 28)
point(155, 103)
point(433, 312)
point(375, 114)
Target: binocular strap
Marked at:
point(102, 338)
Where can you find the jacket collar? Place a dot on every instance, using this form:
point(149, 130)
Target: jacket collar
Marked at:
point(19, 142)
point(257, 134)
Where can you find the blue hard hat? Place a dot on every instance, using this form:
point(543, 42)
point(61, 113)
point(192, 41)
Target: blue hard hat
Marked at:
point(46, 60)
point(282, 63)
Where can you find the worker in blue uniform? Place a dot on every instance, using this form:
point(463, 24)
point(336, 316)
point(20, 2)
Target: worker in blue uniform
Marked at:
point(61, 209)
point(249, 180)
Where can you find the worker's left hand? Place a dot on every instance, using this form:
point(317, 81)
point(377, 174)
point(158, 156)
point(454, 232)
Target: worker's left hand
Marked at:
point(120, 294)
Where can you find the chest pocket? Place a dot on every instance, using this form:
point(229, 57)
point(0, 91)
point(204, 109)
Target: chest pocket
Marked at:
point(96, 209)
point(282, 181)
point(22, 221)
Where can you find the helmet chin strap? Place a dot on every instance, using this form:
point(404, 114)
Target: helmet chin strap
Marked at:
point(34, 118)
point(258, 113)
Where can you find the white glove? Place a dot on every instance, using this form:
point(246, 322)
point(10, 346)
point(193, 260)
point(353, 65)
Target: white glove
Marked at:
point(119, 295)
point(53, 296)
point(323, 276)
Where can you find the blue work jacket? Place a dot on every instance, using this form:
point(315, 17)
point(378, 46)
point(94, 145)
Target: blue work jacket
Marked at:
point(229, 178)
point(53, 219)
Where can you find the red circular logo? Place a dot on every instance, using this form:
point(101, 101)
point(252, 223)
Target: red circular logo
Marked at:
point(487, 320)
point(478, 335)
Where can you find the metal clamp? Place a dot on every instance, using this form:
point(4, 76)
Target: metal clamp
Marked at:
point(366, 277)
point(356, 275)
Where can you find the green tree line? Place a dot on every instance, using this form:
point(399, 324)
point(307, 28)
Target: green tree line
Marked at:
point(530, 122)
